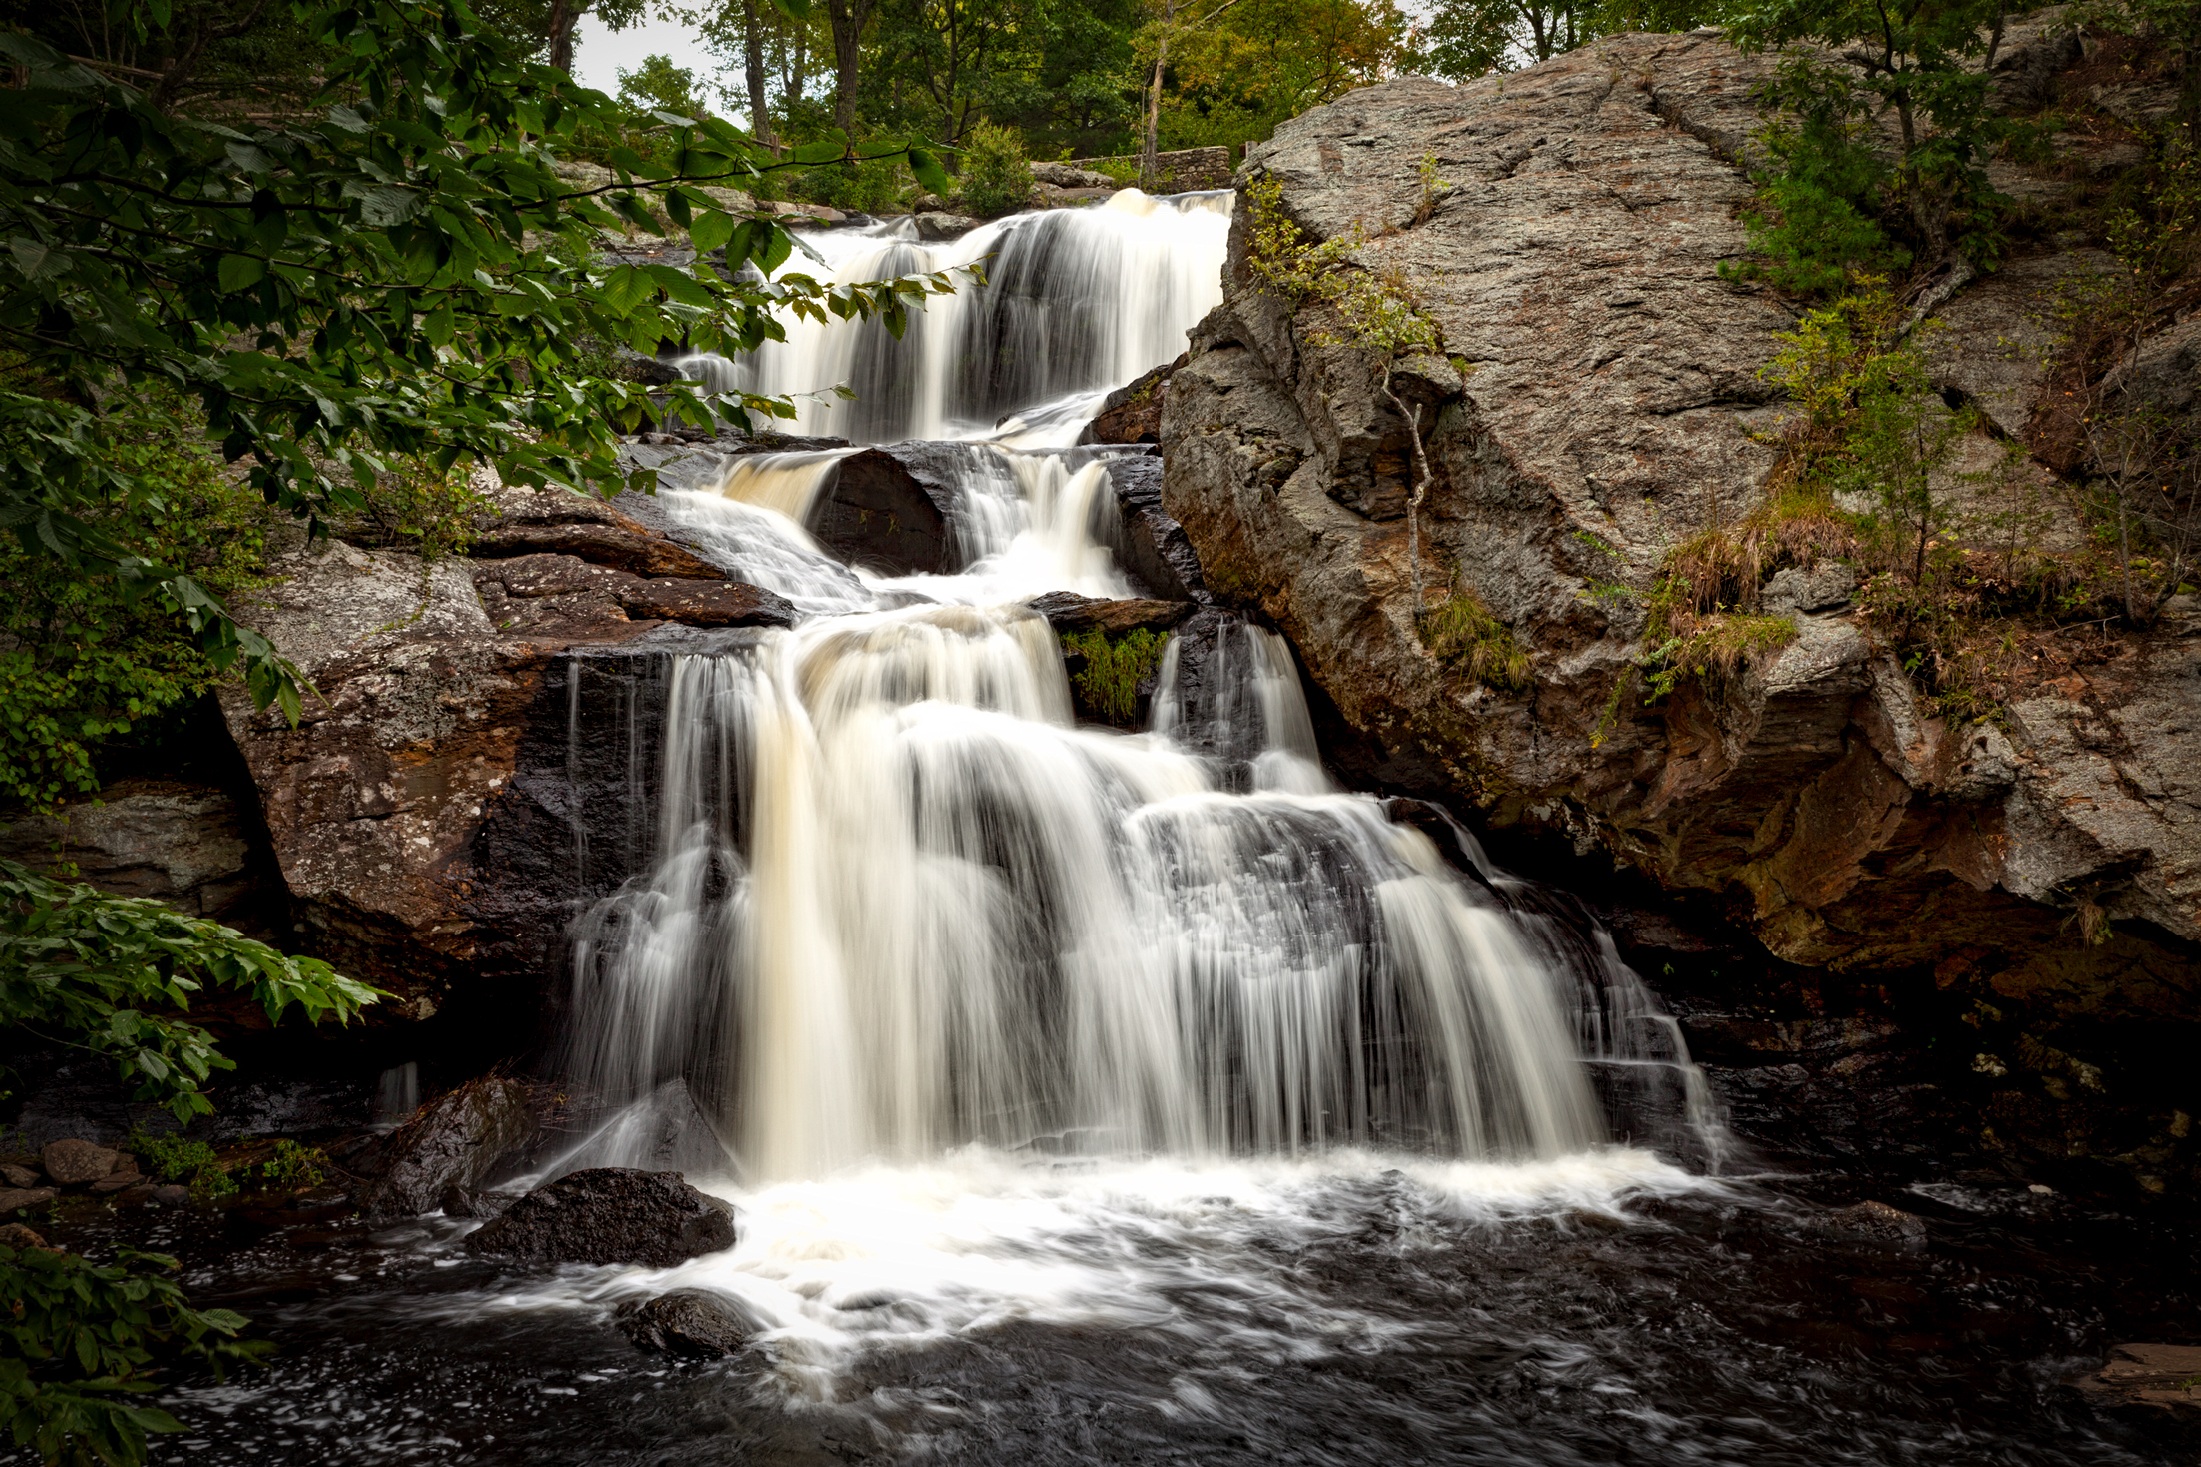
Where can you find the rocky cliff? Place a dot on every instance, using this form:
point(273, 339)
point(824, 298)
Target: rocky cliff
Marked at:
point(2033, 879)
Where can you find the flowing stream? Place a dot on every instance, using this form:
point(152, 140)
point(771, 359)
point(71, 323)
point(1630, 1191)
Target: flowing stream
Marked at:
point(1102, 1096)
point(944, 988)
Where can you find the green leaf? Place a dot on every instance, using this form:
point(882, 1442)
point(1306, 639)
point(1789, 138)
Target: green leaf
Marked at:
point(709, 231)
point(238, 272)
point(926, 167)
point(37, 261)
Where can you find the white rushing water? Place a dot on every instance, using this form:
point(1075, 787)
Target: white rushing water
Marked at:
point(1009, 1017)
point(1077, 302)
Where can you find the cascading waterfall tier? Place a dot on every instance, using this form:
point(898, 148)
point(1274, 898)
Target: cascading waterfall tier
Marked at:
point(899, 903)
point(1076, 302)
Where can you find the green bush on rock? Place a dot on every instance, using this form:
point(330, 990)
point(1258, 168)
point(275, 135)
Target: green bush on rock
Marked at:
point(1108, 684)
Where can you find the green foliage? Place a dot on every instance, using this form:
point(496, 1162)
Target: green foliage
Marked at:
point(659, 86)
point(1109, 682)
point(424, 507)
point(89, 664)
point(173, 1159)
point(1813, 227)
point(293, 1167)
point(1234, 71)
point(1916, 61)
point(996, 176)
point(400, 271)
point(877, 187)
point(79, 1341)
point(1882, 433)
point(1713, 650)
point(109, 974)
point(1467, 38)
point(1467, 636)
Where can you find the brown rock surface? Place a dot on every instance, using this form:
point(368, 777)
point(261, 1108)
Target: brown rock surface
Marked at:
point(1599, 401)
point(2154, 1375)
point(75, 1163)
point(427, 679)
point(15, 1199)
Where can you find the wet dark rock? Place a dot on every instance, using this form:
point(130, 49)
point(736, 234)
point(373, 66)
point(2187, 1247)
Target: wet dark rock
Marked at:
point(688, 1323)
point(15, 1199)
point(76, 1163)
point(1152, 546)
point(167, 1194)
point(19, 1176)
point(460, 1139)
point(610, 1215)
point(1875, 1222)
point(889, 509)
point(117, 1181)
point(457, 1202)
point(1133, 413)
point(1069, 613)
point(2168, 1376)
point(15, 1235)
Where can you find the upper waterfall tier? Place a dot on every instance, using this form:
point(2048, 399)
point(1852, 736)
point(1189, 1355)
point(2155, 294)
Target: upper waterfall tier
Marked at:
point(1076, 302)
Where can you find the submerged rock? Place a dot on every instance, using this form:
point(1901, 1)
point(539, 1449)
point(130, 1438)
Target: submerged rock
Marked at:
point(2150, 1375)
point(610, 1215)
point(688, 1323)
point(1876, 1222)
point(458, 1140)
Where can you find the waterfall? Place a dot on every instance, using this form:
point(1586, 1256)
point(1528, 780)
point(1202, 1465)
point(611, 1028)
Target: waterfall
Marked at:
point(1077, 302)
point(899, 903)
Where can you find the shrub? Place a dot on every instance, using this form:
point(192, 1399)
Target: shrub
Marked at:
point(87, 664)
point(877, 186)
point(996, 177)
point(293, 1167)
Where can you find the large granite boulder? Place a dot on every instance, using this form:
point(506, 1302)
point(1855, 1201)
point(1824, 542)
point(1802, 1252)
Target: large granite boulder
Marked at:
point(1599, 399)
point(610, 1215)
point(411, 845)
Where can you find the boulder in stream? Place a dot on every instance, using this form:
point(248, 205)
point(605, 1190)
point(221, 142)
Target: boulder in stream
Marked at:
point(457, 1140)
point(610, 1215)
point(689, 1323)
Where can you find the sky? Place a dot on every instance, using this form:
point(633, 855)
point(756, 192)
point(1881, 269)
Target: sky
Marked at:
point(599, 55)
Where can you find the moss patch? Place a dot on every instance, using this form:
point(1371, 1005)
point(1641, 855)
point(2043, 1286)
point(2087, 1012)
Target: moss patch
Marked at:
point(1467, 637)
point(1107, 686)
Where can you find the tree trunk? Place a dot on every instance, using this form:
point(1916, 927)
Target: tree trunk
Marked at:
point(564, 15)
point(849, 18)
point(1149, 157)
point(1421, 488)
point(752, 48)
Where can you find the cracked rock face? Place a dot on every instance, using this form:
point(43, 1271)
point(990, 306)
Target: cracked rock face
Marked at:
point(391, 806)
point(1601, 401)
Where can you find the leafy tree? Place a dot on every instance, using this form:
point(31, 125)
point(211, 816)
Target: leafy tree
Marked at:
point(1237, 68)
point(402, 273)
point(113, 977)
point(658, 85)
point(1466, 38)
point(1925, 62)
point(84, 665)
point(102, 974)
